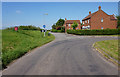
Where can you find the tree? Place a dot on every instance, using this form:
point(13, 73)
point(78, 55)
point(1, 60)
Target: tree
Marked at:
point(74, 25)
point(60, 22)
point(54, 26)
point(118, 21)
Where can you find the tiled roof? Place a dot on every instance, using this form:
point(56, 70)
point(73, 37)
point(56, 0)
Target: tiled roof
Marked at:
point(72, 21)
point(89, 16)
point(112, 17)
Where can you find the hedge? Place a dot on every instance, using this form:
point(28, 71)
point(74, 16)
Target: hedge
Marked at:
point(94, 32)
point(54, 30)
point(29, 27)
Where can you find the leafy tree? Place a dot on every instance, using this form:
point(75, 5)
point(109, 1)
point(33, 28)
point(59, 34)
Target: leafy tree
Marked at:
point(54, 26)
point(118, 22)
point(74, 25)
point(60, 22)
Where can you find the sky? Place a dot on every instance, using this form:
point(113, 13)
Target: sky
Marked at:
point(33, 13)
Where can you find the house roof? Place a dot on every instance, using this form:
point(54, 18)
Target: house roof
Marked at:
point(72, 21)
point(112, 17)
point(89, 16)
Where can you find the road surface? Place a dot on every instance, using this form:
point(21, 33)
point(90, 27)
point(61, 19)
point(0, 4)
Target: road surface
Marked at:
point(66, 55)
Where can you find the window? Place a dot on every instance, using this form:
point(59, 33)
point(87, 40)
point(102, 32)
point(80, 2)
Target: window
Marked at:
point(69, 25)
point(84, 27)
point(101, 19)
point(101, 27)
point(85, 21)
point(88, 27)
point(88, 21)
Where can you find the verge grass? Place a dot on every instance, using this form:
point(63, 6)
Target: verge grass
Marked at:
point(110, 47)
point(15, 44)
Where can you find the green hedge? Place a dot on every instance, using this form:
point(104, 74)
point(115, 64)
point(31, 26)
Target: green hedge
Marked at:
point(29, 27)
point(54, 30)
point(94, 32)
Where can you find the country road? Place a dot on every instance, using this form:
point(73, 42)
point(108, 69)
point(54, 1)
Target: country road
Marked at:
point(66, 55)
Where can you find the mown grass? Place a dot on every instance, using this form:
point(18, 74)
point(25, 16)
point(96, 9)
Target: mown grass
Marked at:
point(15, 44)
point(110, 47)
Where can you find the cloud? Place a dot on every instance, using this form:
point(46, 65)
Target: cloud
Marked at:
point(18, 11)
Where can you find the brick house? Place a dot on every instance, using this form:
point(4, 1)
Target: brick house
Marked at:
point(68, 24)
point(99, 20)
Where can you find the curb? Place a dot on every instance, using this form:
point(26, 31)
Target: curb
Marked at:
point(105, 55)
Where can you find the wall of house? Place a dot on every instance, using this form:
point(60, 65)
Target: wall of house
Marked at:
point(70, 27)
point(86, 22)
point(107, 22)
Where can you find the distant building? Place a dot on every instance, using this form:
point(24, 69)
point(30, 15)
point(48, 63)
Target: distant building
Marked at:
point(68, 24)
point(99, 20)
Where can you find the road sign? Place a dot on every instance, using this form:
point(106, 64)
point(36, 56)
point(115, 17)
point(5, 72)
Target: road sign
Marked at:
point(44, 26)
point(16, 28)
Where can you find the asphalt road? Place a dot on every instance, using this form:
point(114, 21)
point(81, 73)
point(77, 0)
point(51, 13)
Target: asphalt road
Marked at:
point(66, 55)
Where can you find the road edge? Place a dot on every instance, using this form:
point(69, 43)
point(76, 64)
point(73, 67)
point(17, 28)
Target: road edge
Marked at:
point(105, 55)
point(28, 53)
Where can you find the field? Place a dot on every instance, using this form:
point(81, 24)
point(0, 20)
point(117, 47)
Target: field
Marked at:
point(110, 47)
point(15, 44)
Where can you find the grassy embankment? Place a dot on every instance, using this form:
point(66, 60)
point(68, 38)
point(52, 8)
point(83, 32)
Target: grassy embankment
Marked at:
point(15, 44)
point(110, 47)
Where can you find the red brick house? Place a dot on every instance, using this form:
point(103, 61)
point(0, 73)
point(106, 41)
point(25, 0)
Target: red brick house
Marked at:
point(68, 24)
point(99, 20)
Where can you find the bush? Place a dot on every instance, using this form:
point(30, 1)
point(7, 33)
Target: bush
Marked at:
point(94, 32)
point(63, 29)
point(54, 30)
point(29, 27)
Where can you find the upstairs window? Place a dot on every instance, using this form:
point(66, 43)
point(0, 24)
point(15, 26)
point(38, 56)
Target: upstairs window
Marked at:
point(88, 21)
point(69, 25)
point(85, 21)
point(101, 19)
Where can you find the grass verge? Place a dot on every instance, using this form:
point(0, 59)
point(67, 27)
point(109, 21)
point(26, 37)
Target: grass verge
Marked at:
point(16, 44)
point(109, 49)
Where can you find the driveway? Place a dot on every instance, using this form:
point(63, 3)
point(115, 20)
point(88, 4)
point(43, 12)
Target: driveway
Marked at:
point(66, 55)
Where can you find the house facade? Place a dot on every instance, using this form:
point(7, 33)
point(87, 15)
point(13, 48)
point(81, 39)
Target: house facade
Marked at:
point(68, 24)
point(99, 20)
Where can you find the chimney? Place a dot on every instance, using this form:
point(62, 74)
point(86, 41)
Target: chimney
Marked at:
point(99, 7)
point(89, 12)
point(65, 19)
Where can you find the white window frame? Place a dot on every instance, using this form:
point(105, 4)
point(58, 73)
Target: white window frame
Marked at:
point(88, 27)
point(83, 22)
point(88, 21)
point(101, 27)
point(101, 19)
point(69, 25)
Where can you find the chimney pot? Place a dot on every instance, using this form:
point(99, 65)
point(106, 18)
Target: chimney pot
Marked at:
point(99, 7)
point(89, 12)
point(65, 19)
